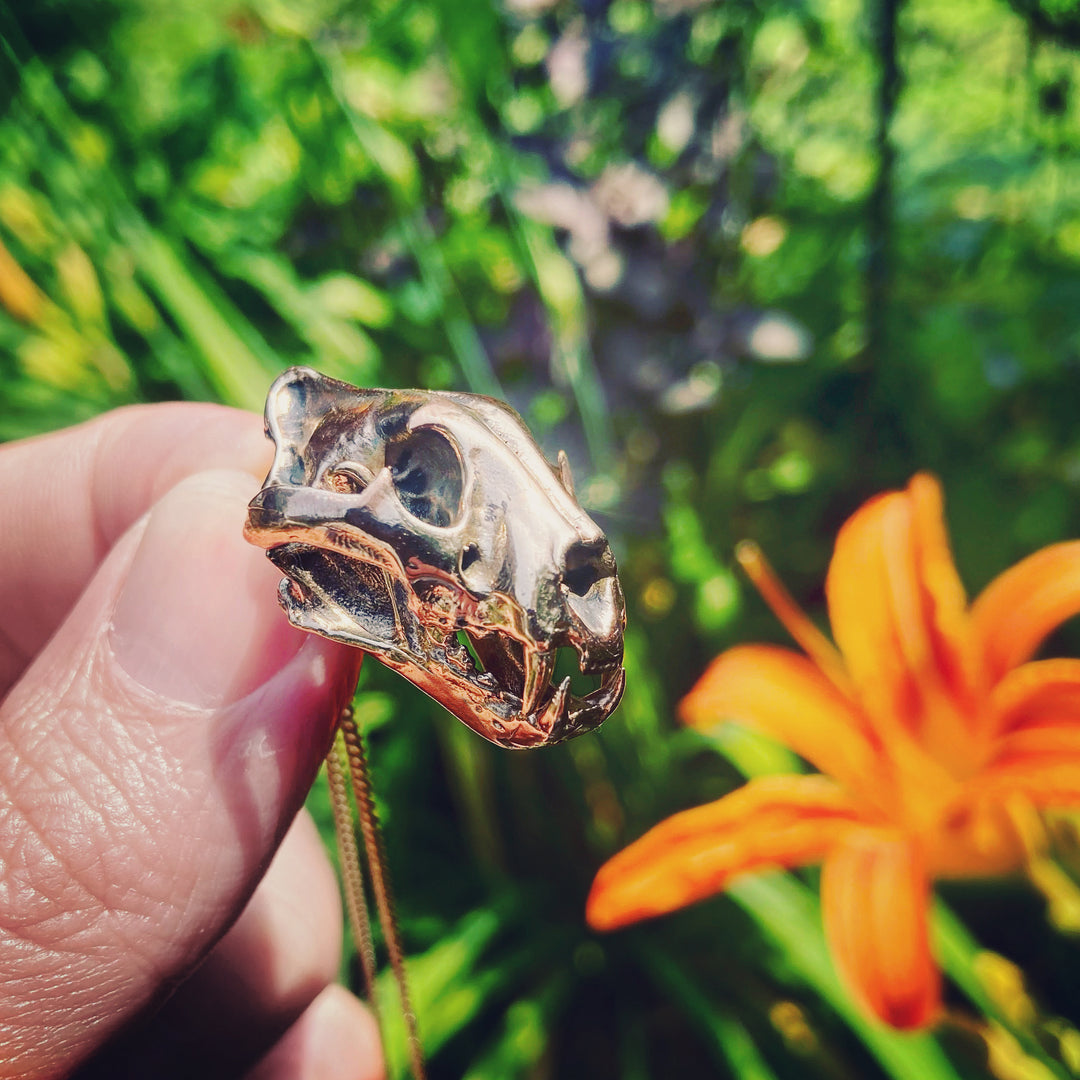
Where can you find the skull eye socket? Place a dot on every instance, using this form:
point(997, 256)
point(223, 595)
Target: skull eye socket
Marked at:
point(346, 480)
point(427, 476)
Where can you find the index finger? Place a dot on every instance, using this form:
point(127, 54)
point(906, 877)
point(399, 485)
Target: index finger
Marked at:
point(68, 496)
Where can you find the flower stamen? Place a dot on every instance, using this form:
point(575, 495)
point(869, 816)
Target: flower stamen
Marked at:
point(1059, 889)
point(797, 623)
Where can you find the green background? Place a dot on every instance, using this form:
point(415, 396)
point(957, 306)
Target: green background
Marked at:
point(748, 263)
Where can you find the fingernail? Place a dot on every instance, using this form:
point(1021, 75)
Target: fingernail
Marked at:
point(197, 620)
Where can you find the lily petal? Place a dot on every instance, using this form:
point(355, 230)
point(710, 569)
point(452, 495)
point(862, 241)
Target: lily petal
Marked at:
point(1016, 611)
point(1037, 694)
point(1046, 776)
point(897, 609)
point(788, 697)
point(874, 902)
point(945, 598)
point(772, 821)
point(1037, 740)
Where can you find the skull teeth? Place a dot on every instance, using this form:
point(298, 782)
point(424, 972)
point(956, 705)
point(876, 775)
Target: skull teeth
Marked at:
point(457, 654)
point(522, 677)
point(555, 708)
point(539, 667)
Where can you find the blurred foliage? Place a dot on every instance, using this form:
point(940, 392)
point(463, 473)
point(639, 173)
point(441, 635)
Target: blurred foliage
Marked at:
point(748, 262)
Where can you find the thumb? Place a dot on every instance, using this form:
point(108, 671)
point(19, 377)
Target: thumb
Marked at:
point(151, 758)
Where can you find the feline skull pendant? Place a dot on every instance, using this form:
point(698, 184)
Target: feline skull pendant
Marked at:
point(427, 529)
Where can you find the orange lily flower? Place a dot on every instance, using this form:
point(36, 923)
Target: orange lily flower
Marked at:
point(935, 731)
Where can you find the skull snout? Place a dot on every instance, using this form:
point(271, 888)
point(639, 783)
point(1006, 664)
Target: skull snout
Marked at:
point(586, 609)
point(281, 507)
point(266, 511)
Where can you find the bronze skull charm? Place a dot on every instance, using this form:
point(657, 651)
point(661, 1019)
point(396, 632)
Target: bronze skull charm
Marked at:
point(402, 518)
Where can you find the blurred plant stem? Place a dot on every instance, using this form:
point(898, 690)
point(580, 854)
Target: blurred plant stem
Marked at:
point(879, 209)
point(557, 282)
point(237, 360)
point(228, 343)
point(420, 239)
point(731, 1044)
point(969, 966)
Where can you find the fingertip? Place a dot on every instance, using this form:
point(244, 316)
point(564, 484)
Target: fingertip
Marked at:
point(181, 438)
point(197, 619)
point(348, 1039)
point(335, 1039)
point(75, 493)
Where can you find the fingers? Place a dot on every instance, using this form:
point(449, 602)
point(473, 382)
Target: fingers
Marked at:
point(68, 497)
point(150, 760)
point(335, 1039)
point(262, 976)
point(282, 952)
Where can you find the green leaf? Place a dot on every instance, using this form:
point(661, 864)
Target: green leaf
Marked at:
point(789, 914)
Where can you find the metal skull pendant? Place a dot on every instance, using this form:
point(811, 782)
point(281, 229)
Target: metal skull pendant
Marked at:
point(404, 519)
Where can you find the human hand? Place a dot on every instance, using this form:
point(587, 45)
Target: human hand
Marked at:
point(160, 724)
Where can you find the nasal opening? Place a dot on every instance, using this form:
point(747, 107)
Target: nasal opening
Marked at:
point(584, 565)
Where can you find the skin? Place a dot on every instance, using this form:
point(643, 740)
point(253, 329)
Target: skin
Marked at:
point(160, 725)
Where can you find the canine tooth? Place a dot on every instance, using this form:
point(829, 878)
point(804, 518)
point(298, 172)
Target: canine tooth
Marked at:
point(562, 695)
point(539, 667)
point(555, 708)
